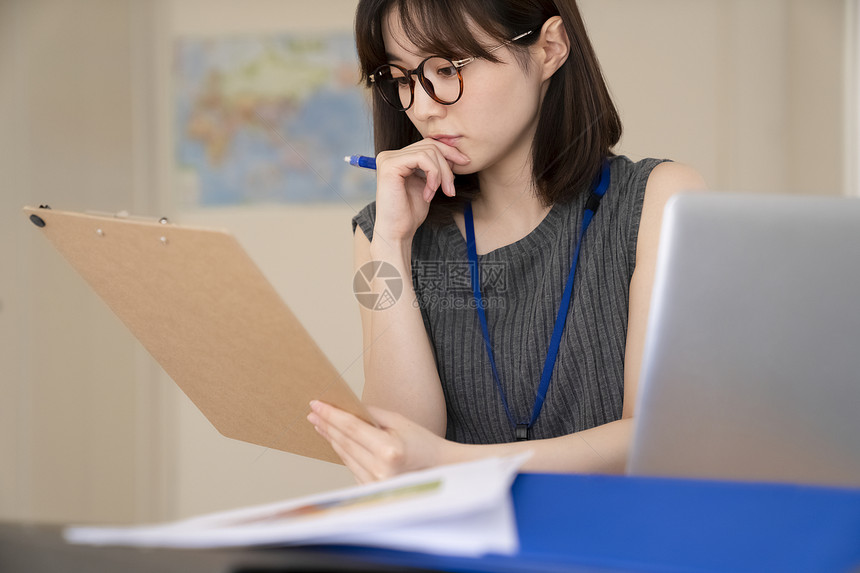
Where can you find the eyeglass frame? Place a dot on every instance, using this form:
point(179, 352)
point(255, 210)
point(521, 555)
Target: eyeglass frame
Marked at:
point(419, 72)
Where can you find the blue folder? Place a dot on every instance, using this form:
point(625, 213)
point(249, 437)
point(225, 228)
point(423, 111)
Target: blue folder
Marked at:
point(614, 523)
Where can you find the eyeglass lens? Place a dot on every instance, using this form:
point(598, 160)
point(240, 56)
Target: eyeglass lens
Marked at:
point(438, 76)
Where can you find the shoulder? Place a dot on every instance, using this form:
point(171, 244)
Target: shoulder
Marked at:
point(641, 190)
point(648, 183)
point(669, 178)
point(657, 176)
point(629, 182)
point(632, 175)
point(366, 218)
point(664, 181)
point(638, 191)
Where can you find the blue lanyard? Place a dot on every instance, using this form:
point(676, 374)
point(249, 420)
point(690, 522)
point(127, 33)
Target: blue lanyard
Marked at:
point(522, 429)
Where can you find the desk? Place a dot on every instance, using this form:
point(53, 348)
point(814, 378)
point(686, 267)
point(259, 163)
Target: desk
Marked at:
point(566, 523)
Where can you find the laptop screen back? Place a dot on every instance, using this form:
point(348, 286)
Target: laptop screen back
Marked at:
point(752, 361)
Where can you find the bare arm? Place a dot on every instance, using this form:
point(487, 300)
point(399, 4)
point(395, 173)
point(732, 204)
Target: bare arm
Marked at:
point(399, 366)
point(666, 180)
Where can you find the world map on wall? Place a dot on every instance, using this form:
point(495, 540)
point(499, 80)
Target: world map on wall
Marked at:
point(269, 120)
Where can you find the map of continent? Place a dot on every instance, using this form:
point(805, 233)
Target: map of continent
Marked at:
point(270, 119)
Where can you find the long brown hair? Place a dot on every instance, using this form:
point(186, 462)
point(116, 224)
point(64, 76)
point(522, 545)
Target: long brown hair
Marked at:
point(578, 124)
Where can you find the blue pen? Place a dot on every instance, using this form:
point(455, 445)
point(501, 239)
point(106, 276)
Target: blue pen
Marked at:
point(361, 161)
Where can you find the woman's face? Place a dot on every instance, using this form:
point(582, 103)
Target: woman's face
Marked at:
point(494, 121)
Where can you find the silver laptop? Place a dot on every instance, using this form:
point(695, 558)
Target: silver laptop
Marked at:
point(752, 362)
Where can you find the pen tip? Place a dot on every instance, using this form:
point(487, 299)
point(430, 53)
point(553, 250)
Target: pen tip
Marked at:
point(346, 158)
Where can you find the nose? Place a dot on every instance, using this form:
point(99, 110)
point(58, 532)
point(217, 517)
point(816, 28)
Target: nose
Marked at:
point(425, 107)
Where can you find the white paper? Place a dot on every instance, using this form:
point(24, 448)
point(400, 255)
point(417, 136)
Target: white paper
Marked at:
point(463, 509)
point(473, 535)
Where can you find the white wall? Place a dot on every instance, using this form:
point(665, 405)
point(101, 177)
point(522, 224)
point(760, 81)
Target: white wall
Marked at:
point(749, 91)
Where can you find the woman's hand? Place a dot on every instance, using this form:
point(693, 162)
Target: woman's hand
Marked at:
point(406, 181)
point(373, 453)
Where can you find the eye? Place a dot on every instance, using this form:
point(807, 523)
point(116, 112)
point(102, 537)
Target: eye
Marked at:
point(446, 71)
point(391, 75)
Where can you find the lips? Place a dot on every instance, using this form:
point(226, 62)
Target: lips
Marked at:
point(451, 140)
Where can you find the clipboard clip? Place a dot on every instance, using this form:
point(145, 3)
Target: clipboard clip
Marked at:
point(37, 220)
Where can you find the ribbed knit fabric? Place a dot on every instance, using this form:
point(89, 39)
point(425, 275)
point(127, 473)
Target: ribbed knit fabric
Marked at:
point(522, 285)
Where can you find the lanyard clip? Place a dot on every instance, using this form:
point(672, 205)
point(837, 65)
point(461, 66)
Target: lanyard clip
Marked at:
point(522, 432)
point(593, 202)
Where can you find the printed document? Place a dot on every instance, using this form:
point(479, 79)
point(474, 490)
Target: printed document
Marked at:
point(463, 510)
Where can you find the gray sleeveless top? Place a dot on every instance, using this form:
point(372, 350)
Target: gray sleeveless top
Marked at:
point(522, 285)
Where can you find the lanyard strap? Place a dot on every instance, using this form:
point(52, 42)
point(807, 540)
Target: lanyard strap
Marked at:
point(522, 429)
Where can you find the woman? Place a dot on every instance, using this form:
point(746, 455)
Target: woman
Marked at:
point(494, 131)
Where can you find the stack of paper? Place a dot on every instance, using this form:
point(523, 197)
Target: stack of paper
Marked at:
point(462, 509)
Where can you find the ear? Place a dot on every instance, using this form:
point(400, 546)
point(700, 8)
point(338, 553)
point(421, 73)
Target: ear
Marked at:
point(553, 46)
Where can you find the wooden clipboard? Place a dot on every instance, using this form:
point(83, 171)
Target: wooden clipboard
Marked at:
point(208, 316)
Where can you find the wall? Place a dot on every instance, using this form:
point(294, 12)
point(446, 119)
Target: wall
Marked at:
point(68, 380)
point(815, 91)
point(851, 99)
point(749, 91)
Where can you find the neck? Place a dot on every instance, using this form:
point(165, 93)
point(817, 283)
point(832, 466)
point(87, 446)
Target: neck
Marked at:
point(508, 207)
point(504, 214)
point(508, 197)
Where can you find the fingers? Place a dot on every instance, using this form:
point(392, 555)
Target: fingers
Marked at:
point(361, 474)
point(433, 158)
point(369, 452)
point(449, 156)
point(408, 162)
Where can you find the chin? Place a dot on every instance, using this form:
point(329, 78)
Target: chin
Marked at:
point(469, 169)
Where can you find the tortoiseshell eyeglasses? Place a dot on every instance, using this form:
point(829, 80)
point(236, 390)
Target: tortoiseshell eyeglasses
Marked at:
point(440, 78)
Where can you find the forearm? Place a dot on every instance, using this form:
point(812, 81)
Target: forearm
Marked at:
point(397, 444)
point(602, 449)
point(400, 368)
